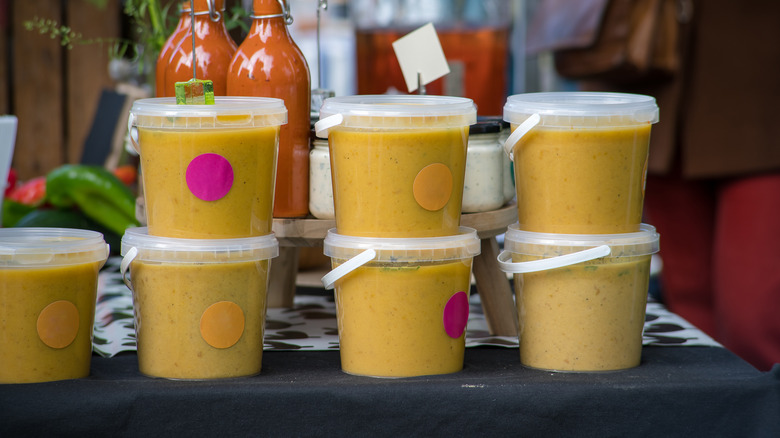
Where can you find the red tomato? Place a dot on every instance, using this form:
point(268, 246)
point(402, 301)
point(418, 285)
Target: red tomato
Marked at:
point(10, 182)
point(127, 174)
point(31, 192)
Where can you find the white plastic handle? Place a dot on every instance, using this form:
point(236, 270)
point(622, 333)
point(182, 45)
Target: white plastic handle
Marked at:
point(322, 126)
point(132, 132)
point(329, 279)
point(519, 132)
point(108, 253)
point(125, 264)
point(552, 262)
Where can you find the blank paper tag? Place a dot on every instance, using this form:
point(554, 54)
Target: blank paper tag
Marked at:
point(420, 51)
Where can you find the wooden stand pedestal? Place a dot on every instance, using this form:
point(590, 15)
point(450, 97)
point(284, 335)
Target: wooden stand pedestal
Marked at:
point(492, 284)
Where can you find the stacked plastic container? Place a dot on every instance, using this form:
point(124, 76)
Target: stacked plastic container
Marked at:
point(579, 252)
point(48, 286)
point(488, 183)
point(199, 271)
point(401, 262)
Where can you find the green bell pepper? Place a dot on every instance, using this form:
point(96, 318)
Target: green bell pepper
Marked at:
point(13, 211)
point(98, 193)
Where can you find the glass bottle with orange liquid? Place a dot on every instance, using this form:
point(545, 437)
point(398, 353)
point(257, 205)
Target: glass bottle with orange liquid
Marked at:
point(182, 27)
point(214, 48)
point(268, 63)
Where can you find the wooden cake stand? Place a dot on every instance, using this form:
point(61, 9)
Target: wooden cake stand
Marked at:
point(492, 284)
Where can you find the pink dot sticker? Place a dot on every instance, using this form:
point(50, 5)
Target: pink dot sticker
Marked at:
point(456, 314)
point(209, 177)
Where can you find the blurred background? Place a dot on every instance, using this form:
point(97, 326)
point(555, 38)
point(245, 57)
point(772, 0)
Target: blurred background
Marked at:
point(59, 57)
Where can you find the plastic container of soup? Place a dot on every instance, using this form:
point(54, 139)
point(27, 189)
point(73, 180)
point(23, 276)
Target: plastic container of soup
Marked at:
point(208, 170)
point(401, 303)
point(397, 162)
point(199, 304)
point(483, 187)
point(48, 287)
point(580, 299)
point(580, 160)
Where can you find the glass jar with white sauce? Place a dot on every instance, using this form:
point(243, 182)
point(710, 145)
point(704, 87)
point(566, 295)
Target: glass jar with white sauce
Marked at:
point(484, 183)
point(320, 185)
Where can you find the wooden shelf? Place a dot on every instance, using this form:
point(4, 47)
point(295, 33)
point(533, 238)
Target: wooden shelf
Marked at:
point(311, 231)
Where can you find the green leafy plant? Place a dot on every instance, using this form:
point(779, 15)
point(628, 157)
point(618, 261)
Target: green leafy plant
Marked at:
point(152, 24)
point(66, 35)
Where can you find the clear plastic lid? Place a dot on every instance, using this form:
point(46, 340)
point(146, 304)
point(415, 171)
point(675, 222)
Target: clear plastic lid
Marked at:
point(227, 112)
point(582, 109)
point(31, 247)
point(465, 244)
point(400, 111)
point(174, 250)
point(643, 242)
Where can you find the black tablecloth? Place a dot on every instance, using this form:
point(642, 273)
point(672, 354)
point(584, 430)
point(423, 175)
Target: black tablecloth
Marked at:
point(676, 391)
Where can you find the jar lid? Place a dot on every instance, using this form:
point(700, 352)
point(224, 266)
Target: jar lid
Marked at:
point(27, 247)
point(169, 249)
point(486, 125)
point(397, 112)
point(226, 112)
point(582, 109)
point(465, 244)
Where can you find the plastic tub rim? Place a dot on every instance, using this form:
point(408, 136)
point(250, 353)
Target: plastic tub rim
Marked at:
point(392, 112)
point(569, 108)
point(646, 241)
point(174, 250)
point(34, 243)
point(166, 107)
point(465, 244)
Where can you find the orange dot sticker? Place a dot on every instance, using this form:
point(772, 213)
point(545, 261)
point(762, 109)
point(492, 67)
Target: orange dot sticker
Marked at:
point(222, 324)
point(433, 186)
point(58, 324)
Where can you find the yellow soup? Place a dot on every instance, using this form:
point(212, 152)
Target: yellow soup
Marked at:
point(405, 183)
point(46, 320)
point(581, 181)
point(586, 317)
point(199, 320)
point(209, 184)
point(391, 316)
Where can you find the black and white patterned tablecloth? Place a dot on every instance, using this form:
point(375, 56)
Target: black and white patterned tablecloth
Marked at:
point(311, 323)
